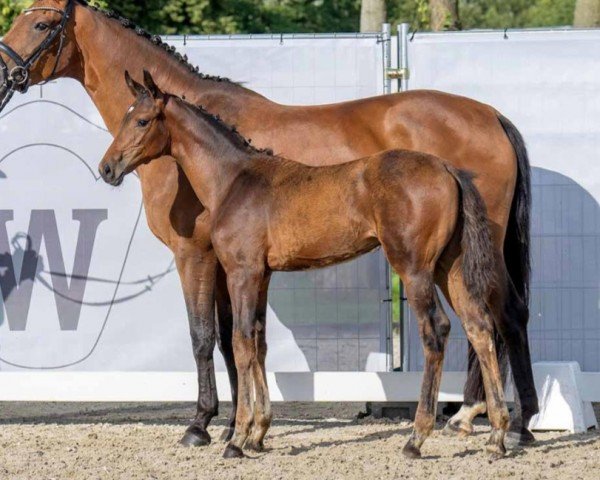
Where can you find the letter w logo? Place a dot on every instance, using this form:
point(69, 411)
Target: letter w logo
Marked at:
point(68, 295)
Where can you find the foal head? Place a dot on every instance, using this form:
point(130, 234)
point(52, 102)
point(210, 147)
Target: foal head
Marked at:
point(143, 135)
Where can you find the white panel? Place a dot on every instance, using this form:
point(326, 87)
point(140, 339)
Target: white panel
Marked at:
point(52, 140)
point(546, 82)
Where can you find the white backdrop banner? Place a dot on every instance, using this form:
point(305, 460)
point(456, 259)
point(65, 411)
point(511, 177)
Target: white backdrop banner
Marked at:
point(546, 82)
point(84, 284)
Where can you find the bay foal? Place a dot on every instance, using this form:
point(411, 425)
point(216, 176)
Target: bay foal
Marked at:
point(271, 214)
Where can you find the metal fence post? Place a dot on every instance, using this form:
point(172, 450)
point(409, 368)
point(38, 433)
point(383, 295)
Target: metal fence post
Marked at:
point(403, 76)
point(386, 41)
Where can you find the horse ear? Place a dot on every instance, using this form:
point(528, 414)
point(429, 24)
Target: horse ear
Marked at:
point(151, 86)
point(136, 88)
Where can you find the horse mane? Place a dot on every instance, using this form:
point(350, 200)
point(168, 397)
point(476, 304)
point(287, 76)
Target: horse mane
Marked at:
point(156, 40)
point(228, 131)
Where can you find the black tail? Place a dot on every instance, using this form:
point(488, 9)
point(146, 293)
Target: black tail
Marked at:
point(516, 245)
point(478, 262)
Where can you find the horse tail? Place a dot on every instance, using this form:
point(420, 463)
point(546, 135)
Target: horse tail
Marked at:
point(478, 261)
point(516, 245)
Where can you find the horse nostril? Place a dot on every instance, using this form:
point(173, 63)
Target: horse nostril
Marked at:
point(107, 170)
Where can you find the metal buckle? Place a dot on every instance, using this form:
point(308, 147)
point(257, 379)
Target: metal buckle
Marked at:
point(19, 75)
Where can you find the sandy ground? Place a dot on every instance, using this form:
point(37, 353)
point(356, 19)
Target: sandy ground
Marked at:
point(139, 441)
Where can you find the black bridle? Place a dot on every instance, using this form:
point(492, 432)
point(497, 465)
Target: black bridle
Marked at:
point(18, 78)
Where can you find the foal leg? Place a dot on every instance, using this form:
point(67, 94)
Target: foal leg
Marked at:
point(244, 288)
point(479, 327)
point(262, 405)
point(461, 423)
point(197, 275)
point(434, 327)
point(225, 341)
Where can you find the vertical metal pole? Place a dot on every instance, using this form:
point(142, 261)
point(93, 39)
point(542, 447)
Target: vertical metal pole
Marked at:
point(386, 41)
point(403, 29)
point(403, 87)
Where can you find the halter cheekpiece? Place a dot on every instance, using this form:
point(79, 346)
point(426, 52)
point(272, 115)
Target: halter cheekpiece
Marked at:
point(18, 77)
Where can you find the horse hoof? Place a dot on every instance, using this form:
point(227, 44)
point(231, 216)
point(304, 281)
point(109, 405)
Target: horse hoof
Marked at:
point(227, 434)
point(458, 429)
point(255, 446)
point(231, 451)
point(411, 451)
point(195, 437)
point(522, 438)
point(496, 452)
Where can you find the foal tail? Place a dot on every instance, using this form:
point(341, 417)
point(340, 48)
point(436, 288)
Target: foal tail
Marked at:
point(478, 262)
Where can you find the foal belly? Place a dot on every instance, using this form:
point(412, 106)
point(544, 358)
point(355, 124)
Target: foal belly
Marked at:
point(318, 256)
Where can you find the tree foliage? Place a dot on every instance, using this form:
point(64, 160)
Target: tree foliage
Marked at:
point(267, 16)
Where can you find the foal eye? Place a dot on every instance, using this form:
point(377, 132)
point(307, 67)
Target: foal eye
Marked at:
point(143, 123)
point(40, 27)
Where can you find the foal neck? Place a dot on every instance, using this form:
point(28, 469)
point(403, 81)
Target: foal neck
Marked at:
point(211, 153)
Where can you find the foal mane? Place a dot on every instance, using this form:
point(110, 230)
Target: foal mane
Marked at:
point(156, 40)
point(228, 131)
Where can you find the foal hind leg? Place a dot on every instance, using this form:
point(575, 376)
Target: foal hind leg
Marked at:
point(434, 327)
point(262, 404)
point(479, 327)
point(474, 404)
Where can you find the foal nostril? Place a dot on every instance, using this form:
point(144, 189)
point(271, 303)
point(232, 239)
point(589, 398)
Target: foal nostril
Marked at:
point(107, 171)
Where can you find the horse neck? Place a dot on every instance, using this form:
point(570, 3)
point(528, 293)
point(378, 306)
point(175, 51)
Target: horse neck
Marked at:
point(209, 157)
point(107, 49)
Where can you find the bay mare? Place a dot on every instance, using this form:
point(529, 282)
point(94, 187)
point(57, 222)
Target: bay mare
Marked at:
point(269, 214)
point(98, 47)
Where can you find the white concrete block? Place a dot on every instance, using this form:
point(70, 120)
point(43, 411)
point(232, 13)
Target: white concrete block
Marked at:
point(559, 394)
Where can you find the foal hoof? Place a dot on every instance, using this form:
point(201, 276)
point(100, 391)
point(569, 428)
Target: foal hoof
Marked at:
point(517, 439)
point(195, 437)
point(227, 434)
point(231, 451)
point(255, 446)
point(457, 429)
point(411, 451)
point(496, 452)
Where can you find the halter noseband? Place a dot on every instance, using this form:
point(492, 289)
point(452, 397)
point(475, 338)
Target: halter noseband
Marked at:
point(18, 78)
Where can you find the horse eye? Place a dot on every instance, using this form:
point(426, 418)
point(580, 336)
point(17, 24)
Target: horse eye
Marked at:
point(40, 27)
point(143, 123)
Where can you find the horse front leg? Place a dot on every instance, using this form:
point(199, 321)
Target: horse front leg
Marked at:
point(197, 273)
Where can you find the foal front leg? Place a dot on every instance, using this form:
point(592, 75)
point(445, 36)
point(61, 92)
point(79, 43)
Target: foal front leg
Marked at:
point(244, 288)
point(197, 273)
point(262, 405)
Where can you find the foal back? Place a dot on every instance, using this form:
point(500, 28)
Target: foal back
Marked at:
point(310, 217)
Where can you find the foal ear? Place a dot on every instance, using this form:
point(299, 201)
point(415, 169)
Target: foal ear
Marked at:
point(151, 86)
point(136, 88)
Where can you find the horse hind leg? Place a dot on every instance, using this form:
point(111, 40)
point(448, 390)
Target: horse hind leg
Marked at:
point(434, 328)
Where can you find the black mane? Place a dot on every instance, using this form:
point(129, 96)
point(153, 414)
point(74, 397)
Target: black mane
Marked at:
point(156, 40)
point(229, 131)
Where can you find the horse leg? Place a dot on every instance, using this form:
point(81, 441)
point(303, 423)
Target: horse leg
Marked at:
point(244, 288)
point(225, 342)
point(513, 328)
point(479, 327)
point(434, 327)
point(197, 273)
point(262, 406)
